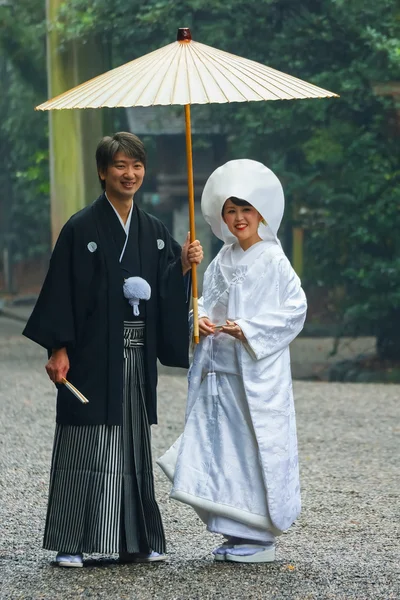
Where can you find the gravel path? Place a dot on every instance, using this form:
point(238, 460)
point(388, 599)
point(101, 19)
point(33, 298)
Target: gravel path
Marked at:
point(345, 545)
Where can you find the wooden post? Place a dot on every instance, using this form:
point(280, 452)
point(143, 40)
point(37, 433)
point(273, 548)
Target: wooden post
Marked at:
point(297, 249)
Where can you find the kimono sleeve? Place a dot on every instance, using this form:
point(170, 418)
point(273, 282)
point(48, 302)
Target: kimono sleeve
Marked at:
point(174, 293)
point(280, 320)
point(51, 323)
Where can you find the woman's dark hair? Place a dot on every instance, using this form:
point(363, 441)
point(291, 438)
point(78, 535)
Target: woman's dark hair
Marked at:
point(236, 202)
point(125, 142)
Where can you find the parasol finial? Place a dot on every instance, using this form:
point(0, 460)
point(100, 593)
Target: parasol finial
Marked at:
point(184, 35)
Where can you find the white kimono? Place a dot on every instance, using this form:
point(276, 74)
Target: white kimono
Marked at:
point(236, 462)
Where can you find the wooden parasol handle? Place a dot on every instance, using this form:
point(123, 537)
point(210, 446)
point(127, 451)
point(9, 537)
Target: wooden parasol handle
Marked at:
point(189, 159)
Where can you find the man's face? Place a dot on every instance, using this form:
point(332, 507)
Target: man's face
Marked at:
point(123, 177)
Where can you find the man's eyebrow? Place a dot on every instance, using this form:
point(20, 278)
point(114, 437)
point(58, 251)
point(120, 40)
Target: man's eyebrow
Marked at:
point(122, 160)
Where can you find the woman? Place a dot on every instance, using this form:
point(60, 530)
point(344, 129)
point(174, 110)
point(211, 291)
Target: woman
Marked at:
point(236, 462)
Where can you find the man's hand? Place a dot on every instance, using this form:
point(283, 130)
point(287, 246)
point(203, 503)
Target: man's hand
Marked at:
point(58, 365)
point(234, 330)
point(192, 253)
point(206, 327)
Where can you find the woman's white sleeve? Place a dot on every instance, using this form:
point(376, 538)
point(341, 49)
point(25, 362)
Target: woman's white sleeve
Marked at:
point(280, 320)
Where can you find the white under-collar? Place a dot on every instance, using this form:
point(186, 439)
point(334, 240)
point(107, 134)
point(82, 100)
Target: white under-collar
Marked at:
point(126, 225)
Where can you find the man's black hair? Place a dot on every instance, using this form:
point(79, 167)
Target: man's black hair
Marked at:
point(125, 142)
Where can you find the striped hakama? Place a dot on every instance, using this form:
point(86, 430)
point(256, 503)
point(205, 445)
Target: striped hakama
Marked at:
point(101, 496)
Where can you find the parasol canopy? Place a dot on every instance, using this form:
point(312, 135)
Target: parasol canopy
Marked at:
point(184, 73)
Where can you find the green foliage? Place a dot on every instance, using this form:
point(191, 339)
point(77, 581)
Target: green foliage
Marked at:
point(22, 39)
point(25, 172)
point(23, 133)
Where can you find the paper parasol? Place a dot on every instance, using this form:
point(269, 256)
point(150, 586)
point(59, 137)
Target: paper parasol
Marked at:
point(184, 73)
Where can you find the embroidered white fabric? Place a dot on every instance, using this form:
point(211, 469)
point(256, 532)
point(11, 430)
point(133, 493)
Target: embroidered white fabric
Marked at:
point(237, 457)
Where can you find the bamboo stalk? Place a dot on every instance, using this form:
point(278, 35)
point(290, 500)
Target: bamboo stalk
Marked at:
point(189, 159)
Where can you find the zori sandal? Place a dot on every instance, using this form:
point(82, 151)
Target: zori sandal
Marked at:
point(220, 552)
point(69, 560)
point(251, 553)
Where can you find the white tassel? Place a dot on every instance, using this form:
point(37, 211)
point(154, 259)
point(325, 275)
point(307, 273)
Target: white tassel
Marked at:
point(136, 289)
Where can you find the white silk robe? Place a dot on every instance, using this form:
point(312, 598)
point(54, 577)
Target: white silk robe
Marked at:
point(237, 458)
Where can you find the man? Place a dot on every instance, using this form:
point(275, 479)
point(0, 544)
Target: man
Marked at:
point(101, 496)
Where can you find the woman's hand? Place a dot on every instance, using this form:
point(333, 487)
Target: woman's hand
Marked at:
point(234, 330)
point(206, 327)
point(58, 365)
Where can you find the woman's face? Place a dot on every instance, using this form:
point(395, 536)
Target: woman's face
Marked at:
point(242, 222)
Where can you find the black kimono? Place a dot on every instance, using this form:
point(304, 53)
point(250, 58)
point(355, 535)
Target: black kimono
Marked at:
point(81, 306)
point(101, 495)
